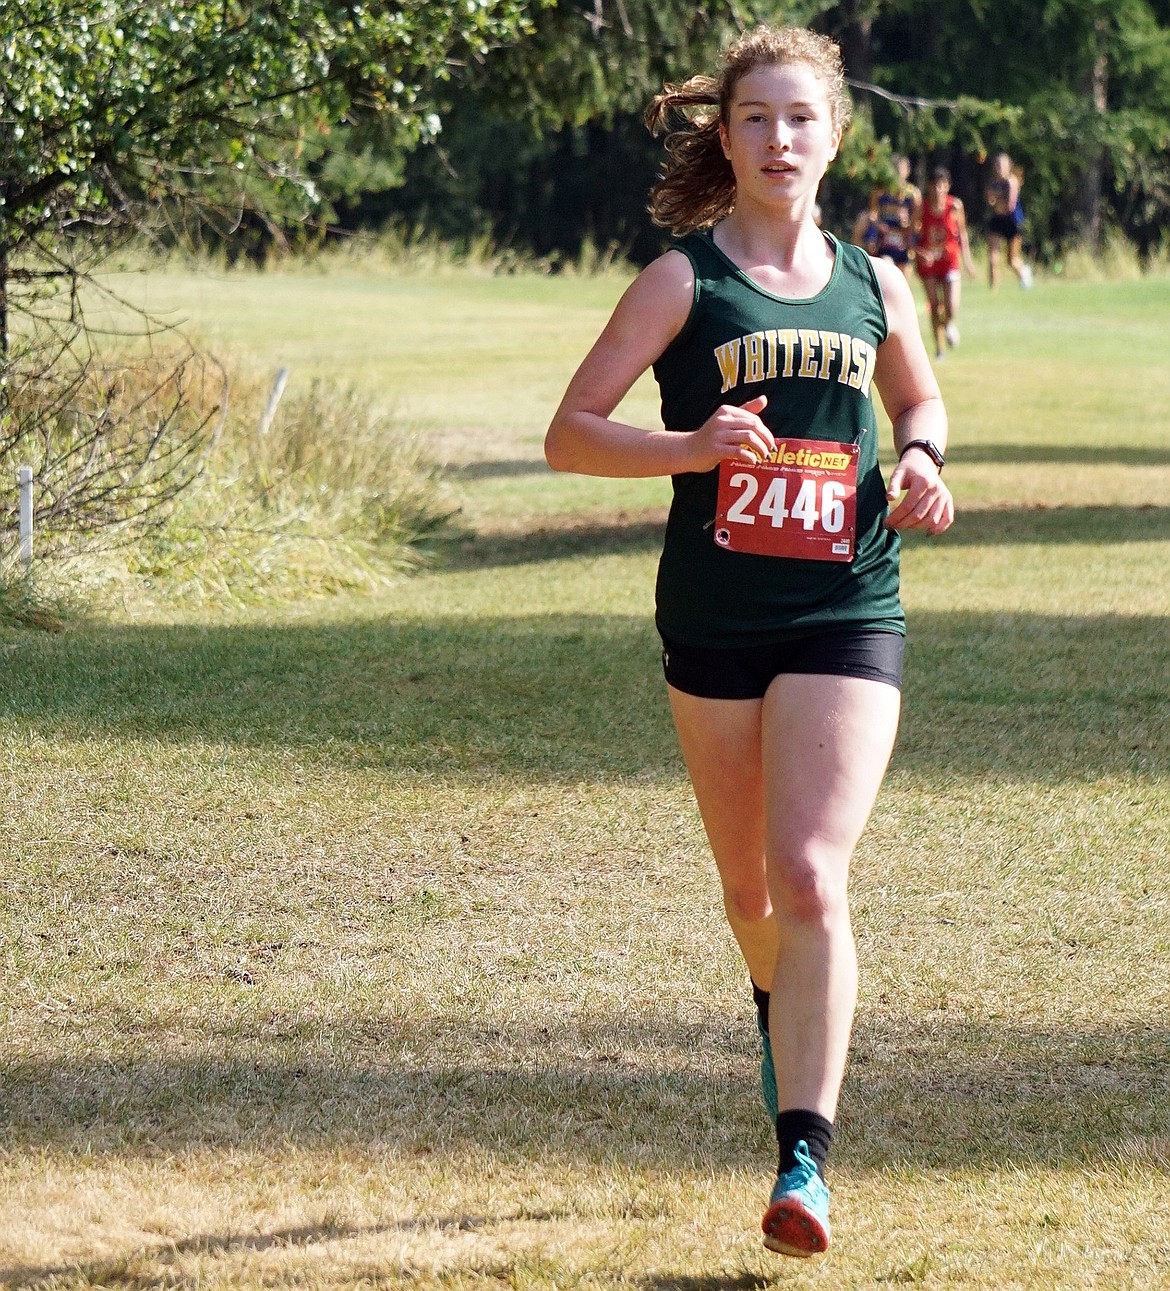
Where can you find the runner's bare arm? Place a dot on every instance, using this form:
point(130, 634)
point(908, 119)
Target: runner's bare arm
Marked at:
point(964, 240)
point(583, 437)
point(911, 397)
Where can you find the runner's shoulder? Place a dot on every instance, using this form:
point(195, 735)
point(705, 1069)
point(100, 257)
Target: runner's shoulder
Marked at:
point(664, 289)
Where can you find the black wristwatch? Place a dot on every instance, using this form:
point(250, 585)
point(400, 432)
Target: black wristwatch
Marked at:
point(930, 449)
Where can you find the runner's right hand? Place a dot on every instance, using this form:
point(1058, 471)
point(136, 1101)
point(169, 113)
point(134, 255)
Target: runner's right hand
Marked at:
point(734, 433)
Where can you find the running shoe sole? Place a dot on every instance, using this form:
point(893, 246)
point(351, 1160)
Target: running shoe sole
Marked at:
point(790, 1228)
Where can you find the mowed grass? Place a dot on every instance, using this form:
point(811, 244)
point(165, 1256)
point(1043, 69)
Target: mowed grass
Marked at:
point(377, 944)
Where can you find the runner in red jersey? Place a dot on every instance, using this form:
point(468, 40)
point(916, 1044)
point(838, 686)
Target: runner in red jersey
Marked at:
point(942, 248)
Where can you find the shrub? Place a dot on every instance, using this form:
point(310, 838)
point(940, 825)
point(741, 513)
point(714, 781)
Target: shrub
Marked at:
point(159, 478)
point(112, 442)
point(331, 496)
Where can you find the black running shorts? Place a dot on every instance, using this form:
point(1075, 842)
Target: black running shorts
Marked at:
point(1005, 226)
point(746, 672)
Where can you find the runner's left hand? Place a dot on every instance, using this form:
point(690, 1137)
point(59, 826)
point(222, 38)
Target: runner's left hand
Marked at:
point(926, 502)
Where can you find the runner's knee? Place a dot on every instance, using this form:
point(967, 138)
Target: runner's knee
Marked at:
point(805, 888)
point(747, 900)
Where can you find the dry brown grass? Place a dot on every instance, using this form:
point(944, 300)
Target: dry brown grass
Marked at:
point(377, 945)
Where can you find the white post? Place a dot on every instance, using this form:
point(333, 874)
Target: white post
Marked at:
point(273, 400)
point(24, 477)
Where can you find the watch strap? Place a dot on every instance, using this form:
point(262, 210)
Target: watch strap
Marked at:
point(931, 449)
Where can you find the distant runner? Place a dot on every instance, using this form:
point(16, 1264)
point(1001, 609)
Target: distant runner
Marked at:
point(942, 248)
point(896, 209)
point(1005, 221)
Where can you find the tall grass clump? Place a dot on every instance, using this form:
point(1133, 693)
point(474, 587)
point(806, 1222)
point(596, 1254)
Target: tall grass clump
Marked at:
point(328, 495)
point(27, 602)
point(415, 251)
point(1115, 260)
point(158, 477)
point(111, 442)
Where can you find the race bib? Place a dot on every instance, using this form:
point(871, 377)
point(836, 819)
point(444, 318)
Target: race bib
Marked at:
point(801, 502)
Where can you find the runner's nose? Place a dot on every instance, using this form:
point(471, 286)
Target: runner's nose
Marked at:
point(781, 138)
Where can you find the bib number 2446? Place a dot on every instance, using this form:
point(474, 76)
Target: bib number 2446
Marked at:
point(801, 502)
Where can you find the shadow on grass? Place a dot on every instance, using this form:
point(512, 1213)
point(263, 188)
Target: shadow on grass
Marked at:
point(934, 1094)
point(623, 535)
point(1058, 454)
point(1009, 526)
point(142, 1267)
point(541, 695)
point(550, 697)
point(705, 1282)
point(642, 532)
point(992, 454)
point(502, 468)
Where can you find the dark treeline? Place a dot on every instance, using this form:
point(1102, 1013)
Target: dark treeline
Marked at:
point(255, 126)
point(550, 195)
point(542, 146)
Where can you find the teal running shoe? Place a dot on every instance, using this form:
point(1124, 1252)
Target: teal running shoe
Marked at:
point(768, 1074)
point(797, 1219)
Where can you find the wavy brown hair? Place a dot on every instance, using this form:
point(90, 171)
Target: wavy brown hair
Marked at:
point(697, 188)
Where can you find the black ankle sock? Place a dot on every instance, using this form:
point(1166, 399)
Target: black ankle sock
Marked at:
point(761, 998)
point(798, 1123)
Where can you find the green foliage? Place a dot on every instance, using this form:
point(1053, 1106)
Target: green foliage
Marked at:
point(548, 192)
point(1021, 78)
point(109, 109)
point(587, 60)
point(530, 148)
point(256, 116)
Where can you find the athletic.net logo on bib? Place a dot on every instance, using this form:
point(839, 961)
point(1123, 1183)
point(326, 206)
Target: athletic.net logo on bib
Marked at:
point(801, 502)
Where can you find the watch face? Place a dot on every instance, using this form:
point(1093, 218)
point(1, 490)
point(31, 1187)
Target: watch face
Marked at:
point(931, 450)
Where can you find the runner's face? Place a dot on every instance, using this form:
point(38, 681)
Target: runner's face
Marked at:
point(779, 136)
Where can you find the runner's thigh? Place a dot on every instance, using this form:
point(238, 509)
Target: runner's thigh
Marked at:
point(826, 741)
point(720, 741)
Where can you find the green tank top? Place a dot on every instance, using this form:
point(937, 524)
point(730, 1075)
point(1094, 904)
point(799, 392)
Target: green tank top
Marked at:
point(814, 359)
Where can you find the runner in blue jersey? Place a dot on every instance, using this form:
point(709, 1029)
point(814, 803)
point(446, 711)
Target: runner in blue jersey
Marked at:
point(896, 209)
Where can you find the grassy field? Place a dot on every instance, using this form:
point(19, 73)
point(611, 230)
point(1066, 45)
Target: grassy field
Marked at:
point(374, 943)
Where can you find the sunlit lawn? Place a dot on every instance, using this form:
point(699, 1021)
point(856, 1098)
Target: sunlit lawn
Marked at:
point(375, 943)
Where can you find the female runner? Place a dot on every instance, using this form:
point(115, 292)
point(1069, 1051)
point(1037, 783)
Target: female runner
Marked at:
point(777, 593)
point(1005, 221)
point(897, 207)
